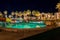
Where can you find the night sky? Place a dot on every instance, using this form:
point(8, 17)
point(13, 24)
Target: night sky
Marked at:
point(21, 5)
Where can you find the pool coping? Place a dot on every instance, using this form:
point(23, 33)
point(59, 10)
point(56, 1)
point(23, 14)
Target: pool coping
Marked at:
point(17, 30)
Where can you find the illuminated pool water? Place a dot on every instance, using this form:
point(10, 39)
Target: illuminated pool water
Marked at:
point(23, 25)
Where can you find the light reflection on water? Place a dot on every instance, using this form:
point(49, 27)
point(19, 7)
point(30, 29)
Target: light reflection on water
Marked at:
point(25, 25)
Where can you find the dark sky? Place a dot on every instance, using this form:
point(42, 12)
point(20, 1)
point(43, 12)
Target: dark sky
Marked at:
point(20, 5)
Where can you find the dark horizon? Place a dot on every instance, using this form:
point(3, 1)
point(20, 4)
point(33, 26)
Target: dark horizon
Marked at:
point(21, 5)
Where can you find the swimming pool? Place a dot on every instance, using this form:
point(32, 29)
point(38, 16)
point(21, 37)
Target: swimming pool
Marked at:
point(22, 25)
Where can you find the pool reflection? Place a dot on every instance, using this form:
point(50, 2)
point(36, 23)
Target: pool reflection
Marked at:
point(22, 25)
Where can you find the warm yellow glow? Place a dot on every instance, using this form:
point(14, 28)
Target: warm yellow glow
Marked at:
point(10, 16)
point(8, 19)
point(58, 6)
point(16, 13)
point(28, 12)
point(1, 14)
point(37, 26)
point(5, 12)
point(37, 14)
point(33, 12)
point(20, 14)
point(12, 13)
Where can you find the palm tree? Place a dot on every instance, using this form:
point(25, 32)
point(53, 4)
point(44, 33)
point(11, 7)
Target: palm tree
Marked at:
point(58, 6)
point(5, 13)
point(36, 13)
point(28, 12)
point(33, 12)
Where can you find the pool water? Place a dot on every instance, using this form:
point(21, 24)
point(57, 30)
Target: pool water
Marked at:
point(22, 25)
